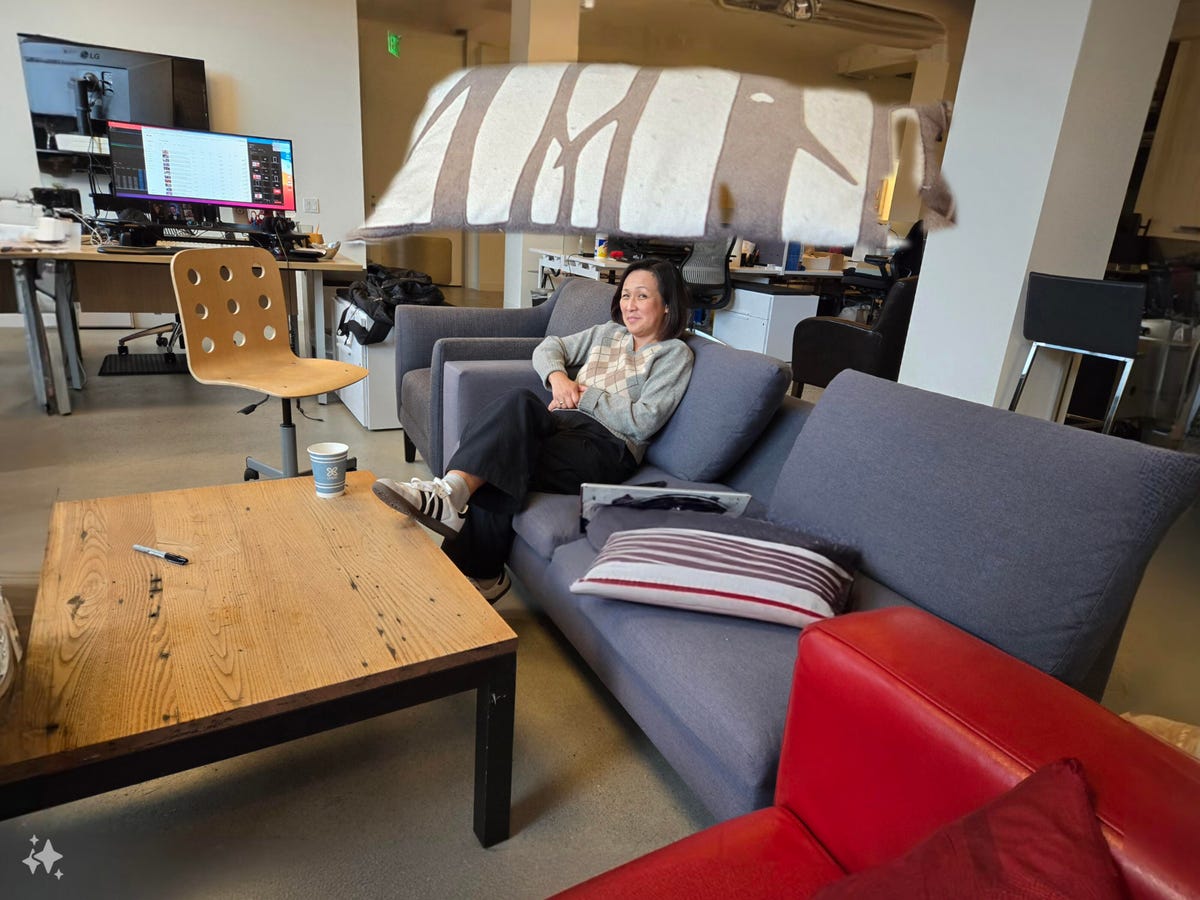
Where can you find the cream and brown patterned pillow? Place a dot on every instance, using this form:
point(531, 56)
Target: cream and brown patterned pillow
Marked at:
point(683, 153)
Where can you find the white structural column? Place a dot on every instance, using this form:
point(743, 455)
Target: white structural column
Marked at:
point(1049, 111)
point(542, 31)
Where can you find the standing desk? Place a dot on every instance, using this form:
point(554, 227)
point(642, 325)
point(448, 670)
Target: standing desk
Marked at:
point(128, 282)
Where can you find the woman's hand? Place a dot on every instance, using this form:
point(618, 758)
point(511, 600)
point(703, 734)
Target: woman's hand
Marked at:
point(566, 391)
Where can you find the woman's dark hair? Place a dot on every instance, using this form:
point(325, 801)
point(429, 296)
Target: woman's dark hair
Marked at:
point(672, 289)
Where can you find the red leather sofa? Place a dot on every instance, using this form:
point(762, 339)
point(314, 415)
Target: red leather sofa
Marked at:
point(900, 723)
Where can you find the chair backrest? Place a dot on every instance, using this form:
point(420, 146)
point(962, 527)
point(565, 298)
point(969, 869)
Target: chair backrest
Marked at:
point(580, 303)
point(233, 311)
point(706, 274)
point(906, 261)
point(892, 327)
point(1086, 314)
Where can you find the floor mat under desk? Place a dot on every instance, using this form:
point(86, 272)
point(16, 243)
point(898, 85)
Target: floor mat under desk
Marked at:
point(144, 364)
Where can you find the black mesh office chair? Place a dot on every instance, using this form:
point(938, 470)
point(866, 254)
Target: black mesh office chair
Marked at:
point(706, 274)
point(1085, 316)
point(822, 346)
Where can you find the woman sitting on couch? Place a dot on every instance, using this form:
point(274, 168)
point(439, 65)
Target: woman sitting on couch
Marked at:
point(633, 372)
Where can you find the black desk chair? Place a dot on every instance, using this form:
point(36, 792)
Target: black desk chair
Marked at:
point(822, 346)
point(867, 288)
point(1085, 316)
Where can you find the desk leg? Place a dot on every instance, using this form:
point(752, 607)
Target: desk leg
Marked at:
point(494, 711)
point(24, 281)
point(303, 298)
point(310, 296)
point(68, 324)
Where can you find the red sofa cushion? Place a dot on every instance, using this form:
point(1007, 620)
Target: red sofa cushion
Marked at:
point(1040, 840)
point(768, 853)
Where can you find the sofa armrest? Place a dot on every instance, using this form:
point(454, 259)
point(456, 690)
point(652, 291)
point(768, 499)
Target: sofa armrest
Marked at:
point(463, 348)
point(911, 723)
point(469, 386)
point(418, 328)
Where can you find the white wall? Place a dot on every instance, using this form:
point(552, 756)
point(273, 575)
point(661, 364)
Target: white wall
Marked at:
point(275, 69)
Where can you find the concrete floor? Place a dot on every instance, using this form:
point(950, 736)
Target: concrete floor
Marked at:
point(378, 809)
point(383, 808)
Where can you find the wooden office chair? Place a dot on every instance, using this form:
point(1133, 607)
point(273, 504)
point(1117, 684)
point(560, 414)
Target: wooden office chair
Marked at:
point(1086, 316)
point(235, 324)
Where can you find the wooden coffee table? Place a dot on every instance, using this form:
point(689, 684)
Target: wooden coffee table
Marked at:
point(294, 615)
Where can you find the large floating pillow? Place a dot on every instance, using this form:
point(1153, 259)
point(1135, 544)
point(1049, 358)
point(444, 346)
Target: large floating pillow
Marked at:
point(727, 574)
point(673, 153)
point(1040, 841)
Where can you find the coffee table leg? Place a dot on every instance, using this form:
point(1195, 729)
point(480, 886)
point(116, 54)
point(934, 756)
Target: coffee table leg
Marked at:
point(494, 705)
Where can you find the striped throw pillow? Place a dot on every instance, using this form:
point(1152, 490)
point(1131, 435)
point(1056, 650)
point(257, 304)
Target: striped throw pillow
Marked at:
point(717, 573)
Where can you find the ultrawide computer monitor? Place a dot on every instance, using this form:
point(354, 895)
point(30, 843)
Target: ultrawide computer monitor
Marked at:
point(180, 165)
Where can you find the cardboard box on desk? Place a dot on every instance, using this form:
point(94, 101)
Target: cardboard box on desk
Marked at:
point(819, 262)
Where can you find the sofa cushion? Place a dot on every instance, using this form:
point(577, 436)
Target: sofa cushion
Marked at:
point(725, 574)
point(1040, 840)
point(711, 692)
point(1031, 534)
point(730, 400)
point(547, 521)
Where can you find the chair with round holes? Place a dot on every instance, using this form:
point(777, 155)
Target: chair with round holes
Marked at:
point(235, 325)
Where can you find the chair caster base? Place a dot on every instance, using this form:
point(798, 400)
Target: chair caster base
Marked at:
point(250, 474)
point(122, 350)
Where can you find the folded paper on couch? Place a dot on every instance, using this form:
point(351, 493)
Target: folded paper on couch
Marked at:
point(685, 153)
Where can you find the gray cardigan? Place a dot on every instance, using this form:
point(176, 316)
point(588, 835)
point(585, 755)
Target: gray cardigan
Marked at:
point(630, 392)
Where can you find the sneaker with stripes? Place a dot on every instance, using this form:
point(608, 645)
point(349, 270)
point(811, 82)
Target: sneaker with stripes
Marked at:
point(426, 501)
point(492, 589)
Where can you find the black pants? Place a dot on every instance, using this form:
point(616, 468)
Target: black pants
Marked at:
point(518, 446)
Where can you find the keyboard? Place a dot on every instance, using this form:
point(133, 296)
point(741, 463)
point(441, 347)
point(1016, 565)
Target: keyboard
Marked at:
point(136, 251)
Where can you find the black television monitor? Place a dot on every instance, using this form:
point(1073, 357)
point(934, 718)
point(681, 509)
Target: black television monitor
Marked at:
point(76, 88)
point(185, 166)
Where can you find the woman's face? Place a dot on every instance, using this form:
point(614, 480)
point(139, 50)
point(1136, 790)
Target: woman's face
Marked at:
point(642, 308)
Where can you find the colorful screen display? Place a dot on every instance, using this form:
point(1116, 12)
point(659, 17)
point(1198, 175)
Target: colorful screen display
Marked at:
point(176, 164)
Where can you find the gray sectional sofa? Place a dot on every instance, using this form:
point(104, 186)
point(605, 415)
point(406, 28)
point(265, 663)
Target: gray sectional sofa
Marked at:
point(1028, 534)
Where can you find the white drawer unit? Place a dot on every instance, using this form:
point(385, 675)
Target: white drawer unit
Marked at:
point(372, 400)
point(762, 317)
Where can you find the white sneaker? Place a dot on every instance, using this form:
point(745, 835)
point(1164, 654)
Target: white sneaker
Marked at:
point(492, 589)
point(426, 501)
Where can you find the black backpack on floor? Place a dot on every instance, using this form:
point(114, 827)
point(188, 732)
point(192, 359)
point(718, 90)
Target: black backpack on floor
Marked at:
point(379, 295)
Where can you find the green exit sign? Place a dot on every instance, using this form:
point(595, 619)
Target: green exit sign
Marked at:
point(394, 44)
